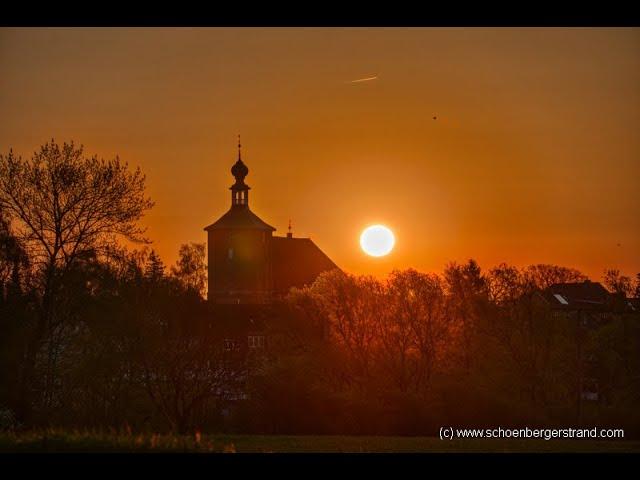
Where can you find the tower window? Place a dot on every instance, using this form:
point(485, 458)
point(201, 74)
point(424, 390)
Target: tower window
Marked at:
point(230, 253)
point(240, 197)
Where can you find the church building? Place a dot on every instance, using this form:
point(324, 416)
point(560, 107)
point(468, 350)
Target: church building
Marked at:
point(248, 264)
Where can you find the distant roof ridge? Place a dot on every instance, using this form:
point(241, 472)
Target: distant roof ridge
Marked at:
point(582, 293)
point(581, 282)
point(292, 238)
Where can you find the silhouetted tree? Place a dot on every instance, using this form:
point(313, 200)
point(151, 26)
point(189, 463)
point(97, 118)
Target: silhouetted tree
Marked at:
point(468, 293)
point(154, 268)
point(15, 312)
point(191, 267)
point(507, 284)
point(13, 261)
point(415, 328)
point(542, 275)
point(65, 206)
point(618, 283)
point(181, 372)
point(534, 345)
point(352, 306)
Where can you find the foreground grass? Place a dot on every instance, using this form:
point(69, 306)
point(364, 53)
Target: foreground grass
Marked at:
point(64, 441)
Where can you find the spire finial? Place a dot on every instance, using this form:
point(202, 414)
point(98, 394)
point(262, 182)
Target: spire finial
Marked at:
point(239, 169)
point(289, 234)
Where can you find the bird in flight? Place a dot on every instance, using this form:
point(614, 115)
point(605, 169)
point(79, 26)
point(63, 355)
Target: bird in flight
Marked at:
point(368, 79)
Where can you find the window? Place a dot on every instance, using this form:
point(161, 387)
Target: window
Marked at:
point(256, 341)
point(561, 299)
point(230, 344)
point(590, 390)
point(230, 253)
point(240, 197)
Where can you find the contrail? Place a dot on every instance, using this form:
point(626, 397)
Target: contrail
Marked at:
point(368, 79)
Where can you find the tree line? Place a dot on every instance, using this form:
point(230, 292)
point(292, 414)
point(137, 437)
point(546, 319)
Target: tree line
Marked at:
point(416, 351)
point(96, 335)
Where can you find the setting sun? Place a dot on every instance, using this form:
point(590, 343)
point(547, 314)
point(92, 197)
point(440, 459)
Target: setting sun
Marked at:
point(377, 240)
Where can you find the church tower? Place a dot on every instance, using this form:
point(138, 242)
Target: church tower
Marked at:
point(240, 249)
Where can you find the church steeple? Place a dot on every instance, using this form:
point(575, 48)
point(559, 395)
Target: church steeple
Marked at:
point(247, 265)
point(239, 190)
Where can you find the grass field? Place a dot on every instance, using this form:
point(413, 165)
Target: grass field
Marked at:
point(61, 441)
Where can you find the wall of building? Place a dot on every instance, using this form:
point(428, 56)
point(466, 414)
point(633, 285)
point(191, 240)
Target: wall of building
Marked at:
point(240, 266)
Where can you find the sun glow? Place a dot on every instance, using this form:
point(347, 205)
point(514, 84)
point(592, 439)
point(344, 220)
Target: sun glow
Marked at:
point(377, 240)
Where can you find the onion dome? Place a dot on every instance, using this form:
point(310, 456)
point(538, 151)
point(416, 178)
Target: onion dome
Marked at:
point(239, 169)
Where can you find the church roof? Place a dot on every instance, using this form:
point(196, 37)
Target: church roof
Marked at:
point(239, 217)
point(297, 262)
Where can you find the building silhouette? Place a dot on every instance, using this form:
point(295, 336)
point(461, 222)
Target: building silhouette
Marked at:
point(587, 307)
point(247, 263)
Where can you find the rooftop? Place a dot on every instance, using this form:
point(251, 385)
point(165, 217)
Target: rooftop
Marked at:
point(297, 262)
point(240, 217)
point(585, 295)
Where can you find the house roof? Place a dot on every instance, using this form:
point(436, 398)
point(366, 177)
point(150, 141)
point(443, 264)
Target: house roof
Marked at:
point(297, 262)
point(579, 295)
point(240, 217)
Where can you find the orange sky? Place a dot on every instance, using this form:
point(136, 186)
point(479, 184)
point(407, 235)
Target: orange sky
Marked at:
point(534, 156)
